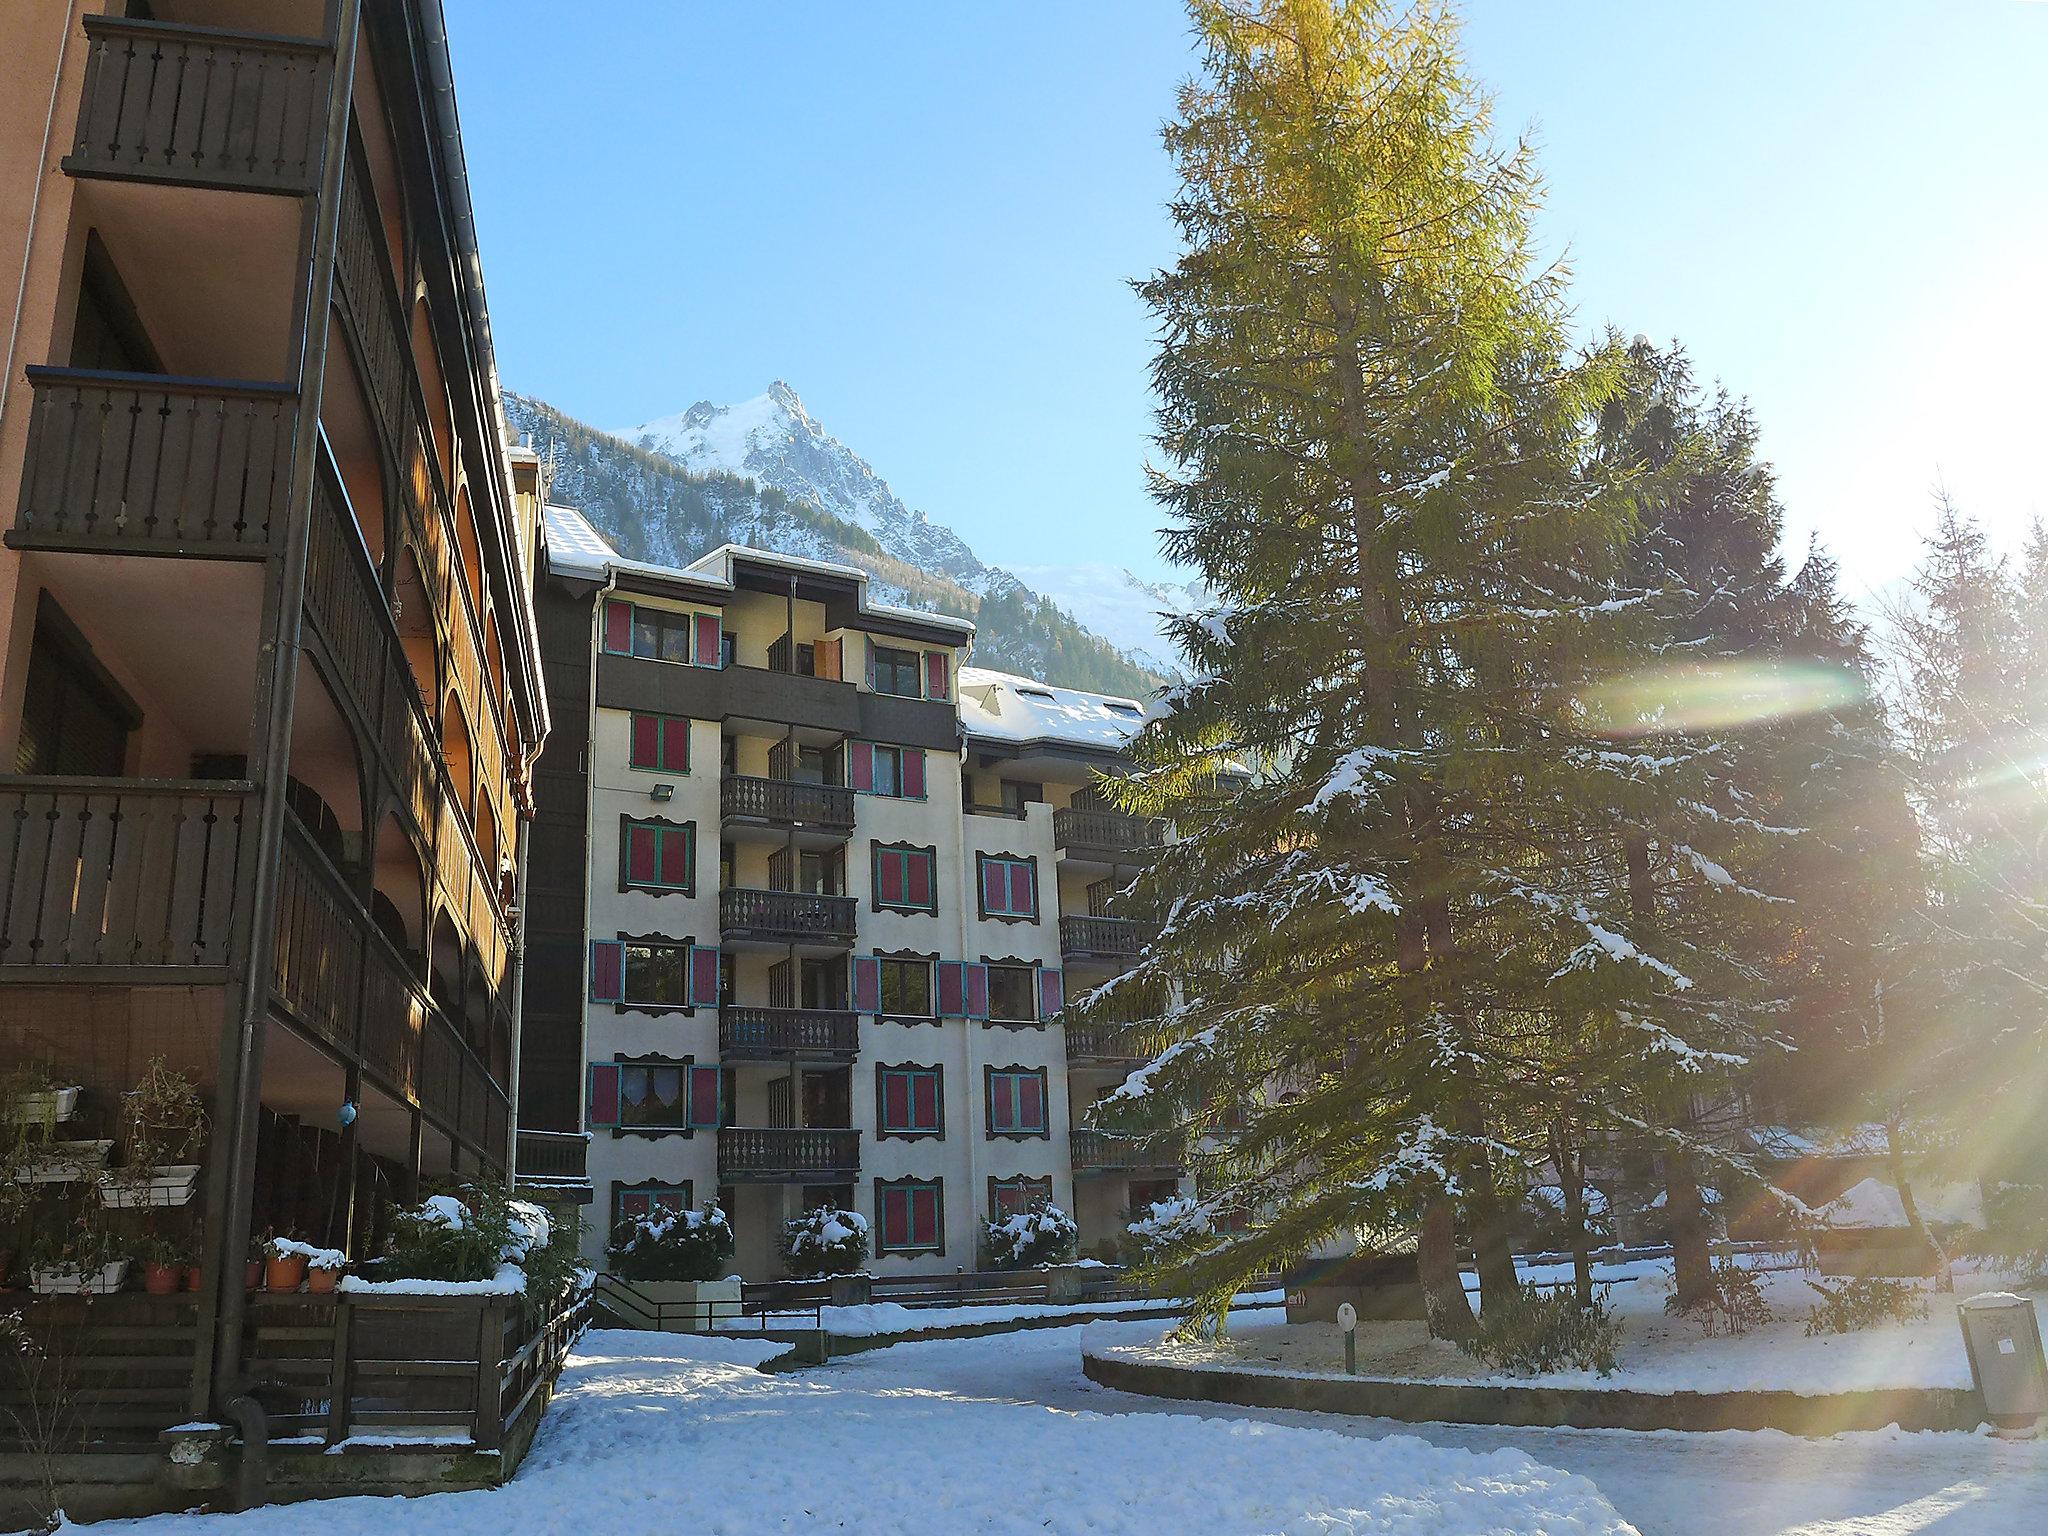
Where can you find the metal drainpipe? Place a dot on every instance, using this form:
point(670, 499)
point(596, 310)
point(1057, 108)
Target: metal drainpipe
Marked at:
point(518, 992)
point(244, 1045)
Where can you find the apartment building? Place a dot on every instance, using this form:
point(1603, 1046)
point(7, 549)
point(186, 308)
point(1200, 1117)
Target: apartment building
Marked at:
point(822, 889)
point(269, 685)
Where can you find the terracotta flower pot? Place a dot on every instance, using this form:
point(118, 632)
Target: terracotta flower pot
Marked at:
point(321, 1282)
point(162, 1279)
point(195, 1276)
point(252, 1275)
point(284, 1272)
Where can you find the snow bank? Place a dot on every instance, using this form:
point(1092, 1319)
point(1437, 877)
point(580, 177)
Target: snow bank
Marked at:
point(1876, 1203)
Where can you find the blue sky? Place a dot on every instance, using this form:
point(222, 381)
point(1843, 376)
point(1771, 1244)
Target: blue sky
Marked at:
point(923, 217)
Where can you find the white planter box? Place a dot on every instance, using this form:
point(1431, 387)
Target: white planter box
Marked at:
point(58, 1104)
point(172, 1184)
point(73, 1282)
point(63, 1161)
point(691, 1305)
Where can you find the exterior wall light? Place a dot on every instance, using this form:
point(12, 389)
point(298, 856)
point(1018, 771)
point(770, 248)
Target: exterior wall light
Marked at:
point(662, 792)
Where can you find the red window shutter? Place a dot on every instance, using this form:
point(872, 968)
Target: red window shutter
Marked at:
point(604, 1094)
point(646, 742)
point(675, 745)
point(952, 990)
point(977, 989)
point(867, 984)
point(935, 686)
point(1023, 899)
point(704, 975)
point(913, 773)
point(639, 854)
point(1052, 991)
point(924, 1106)
point(895, 1101)
point(1031, 1103)
point(675, 859)
point(889, 876)
point(1002, 1103)
point(860, 766)
point(618, 628)
point(708, 638)
point(607, 970)
point(633, 1204)
point(895, 1218)
point(918, 879)
point(924, 1216)
point(704, 1097)
point(995, 890)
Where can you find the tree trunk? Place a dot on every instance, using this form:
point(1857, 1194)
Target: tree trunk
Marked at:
point(1571, 1179)
point(1436, 1261)
point(1691, 1248)
point(1895, 1162)
point(1499, 1286)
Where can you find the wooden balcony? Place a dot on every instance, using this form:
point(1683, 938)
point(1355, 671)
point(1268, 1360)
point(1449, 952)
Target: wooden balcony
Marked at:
point(1102, 1152)
point(1106, 836)
point(121, 879)
point(787, 1155)
point(784, 1034)
point(200, 107)
point(1101, 1045)
point(1104, 938)
point(147, 464)
point(553, 1165)
point(785, 917)
point(785, 803)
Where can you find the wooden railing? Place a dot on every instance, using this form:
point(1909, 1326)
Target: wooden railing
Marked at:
point(1116, 937)
point(1100, 1150)
point(200, 106)
point(121, 874)
point(143, 463)
point(362, 271)
point(786, 1152)
point(786, 801)
point(317, 970)
point(1101, 1043)
point(553, 1157)
point(785, 914)
point(815, 1033)
point(1109, 830)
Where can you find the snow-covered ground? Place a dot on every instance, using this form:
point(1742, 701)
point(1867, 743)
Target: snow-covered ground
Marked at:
point(1658, 1353)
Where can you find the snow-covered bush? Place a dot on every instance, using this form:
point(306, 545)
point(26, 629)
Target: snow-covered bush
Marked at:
point(824, 1242)
point(1545, 1331)
point(1040, 1234)
point(672, 1245)
point(458, 1237)
point(1864, 1301)
point(1734, 1302)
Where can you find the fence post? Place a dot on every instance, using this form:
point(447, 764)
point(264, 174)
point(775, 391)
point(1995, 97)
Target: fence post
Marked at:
point(489, 1427)
point(340, 1383)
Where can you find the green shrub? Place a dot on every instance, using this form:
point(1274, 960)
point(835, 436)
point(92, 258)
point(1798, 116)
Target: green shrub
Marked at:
point(457, 1237)
point(1545, 1331)
point(672, 1245)
point(1040, 1234)
point(1865, 1301)
point(823, 1242)
point(1734, 1302)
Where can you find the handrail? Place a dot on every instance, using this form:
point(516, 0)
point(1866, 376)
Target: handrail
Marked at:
point(167, 383)
point(186, 31)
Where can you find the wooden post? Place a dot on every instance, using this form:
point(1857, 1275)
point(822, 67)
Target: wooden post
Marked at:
point(489, 1427)
point(340, 1385)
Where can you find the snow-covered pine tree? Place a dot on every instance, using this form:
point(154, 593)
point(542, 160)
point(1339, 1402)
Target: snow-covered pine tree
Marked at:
point(1404, 937)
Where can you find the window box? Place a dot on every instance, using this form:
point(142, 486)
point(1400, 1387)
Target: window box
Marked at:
point(169, 1184)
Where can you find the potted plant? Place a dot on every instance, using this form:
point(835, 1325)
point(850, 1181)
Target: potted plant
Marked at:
point(323, 1270)
point(165, 1127)
point(252, 1268)
point(30, 1097)
point(82, 1258)
point(828, 1244)
point(163, 1265)
point(677, 1259)
point(284, 1262)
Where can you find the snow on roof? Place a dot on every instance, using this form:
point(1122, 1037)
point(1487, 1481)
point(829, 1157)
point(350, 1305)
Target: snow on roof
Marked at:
point(1000, 706)
point(718, 566)
point(574, 547)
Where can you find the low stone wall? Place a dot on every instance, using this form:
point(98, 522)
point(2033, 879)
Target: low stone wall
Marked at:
point(1413, 1402)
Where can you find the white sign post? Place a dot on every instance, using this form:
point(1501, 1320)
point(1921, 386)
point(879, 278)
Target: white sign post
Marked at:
point(1347, 1319)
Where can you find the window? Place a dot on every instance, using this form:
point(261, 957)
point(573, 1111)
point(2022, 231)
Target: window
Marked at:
point(657, 1095)
point(1017, 794)
point(655, 634)
point(1012, 994)
point(661, 636)
point(630, 1202)
point(1008, 1197)
point(912, 1213)
point(659, 743)
point(909, 1101)
point(1009, 886)
point(906, 989)
point(1016, 1101)
point(872, 769)
point(893, 671)
point(657, 856)
point(653, 973)
point(903, 878)
point(888, 777)
point(74, 720)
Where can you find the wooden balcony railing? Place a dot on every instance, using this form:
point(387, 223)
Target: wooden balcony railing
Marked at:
point(1108, 831)
point(552, 1157)
point(122, 874)
point(1114, 938)
point(317, 968)
point(786, 1154)
point(1100, 1151)
point(200, 106)
point(795, 915)
point(143, 463)
point(786, 802)
point(1107, 1044)
point(816, 1034)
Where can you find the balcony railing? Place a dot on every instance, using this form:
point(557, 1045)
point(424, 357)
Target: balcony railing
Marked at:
point(552, 1157)
point(1107, 1044)
point(788, 1154)
point(121, 874)
point(786, 802)
point(1108, 831)
point(200, 106)
point(142, 463)
point(1113, 938)
point(773, 1034)
point(1102, 1152)
point(788, 915)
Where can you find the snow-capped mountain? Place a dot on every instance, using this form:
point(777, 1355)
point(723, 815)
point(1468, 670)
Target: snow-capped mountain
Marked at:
point(1125, 610)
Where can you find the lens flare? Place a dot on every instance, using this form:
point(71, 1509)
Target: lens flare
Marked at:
point(1718, 695)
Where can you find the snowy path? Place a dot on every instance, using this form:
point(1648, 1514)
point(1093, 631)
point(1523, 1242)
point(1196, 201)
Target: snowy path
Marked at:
point(1732, 1484)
